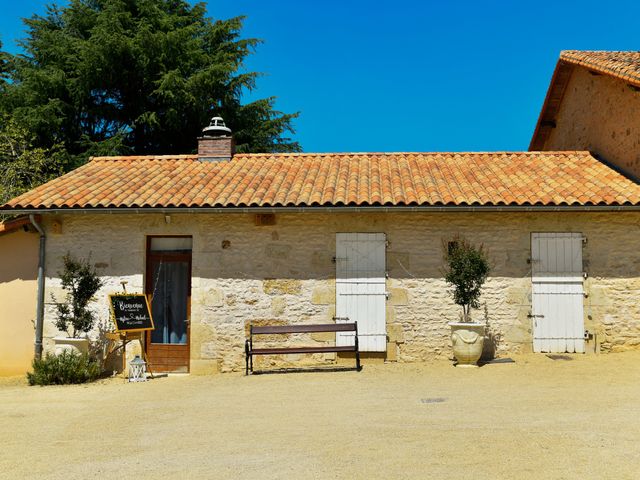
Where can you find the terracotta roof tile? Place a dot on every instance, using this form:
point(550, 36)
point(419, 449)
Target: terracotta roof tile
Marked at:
point(12, 225)
point(622, 65)
point(354, 179)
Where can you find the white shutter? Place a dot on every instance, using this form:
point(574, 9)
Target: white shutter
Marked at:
point(361, 289)
point(557, 292)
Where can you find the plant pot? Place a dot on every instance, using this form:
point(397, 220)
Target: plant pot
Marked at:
point(63, 344)
point(467, 340)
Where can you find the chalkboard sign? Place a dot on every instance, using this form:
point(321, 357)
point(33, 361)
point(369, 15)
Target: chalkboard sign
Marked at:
point(131, 312)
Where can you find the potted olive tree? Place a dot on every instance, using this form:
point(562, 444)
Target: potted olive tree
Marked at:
point(466, 268)
point(81, 282)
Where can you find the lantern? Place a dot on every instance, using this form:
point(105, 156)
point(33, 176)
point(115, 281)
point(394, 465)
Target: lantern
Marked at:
point(137, 370)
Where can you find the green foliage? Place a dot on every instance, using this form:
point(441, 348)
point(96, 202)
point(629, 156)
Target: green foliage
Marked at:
point(81, 282)
point(466, 269)
point(5, 66)
point(105, 77)
point(23, 167)
point(66, 368)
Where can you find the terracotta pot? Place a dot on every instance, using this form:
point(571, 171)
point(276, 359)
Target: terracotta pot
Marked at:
point(467, 340)
point(80, 345)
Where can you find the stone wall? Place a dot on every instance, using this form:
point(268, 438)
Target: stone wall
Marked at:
point(600, 114)
point(285, 273)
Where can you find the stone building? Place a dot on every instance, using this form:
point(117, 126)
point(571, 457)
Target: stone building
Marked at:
point(220, 240)
point(593, 103)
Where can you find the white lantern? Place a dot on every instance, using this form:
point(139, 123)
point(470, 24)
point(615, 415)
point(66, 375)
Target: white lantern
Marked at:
point(137, 370)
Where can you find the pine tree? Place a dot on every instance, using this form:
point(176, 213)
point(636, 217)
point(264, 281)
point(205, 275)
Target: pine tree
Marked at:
point(105, 77)
point(4, 69)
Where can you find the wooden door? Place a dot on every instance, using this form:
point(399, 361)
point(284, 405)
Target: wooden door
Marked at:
point(557, 292)
point(361, 289)
point(168, 286)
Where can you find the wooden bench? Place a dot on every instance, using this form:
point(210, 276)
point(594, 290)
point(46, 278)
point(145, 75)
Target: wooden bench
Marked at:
point(287, 329)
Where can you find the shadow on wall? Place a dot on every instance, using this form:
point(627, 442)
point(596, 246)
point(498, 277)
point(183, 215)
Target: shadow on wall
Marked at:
point(302, 246)
point(492, 338)
point(18, 257)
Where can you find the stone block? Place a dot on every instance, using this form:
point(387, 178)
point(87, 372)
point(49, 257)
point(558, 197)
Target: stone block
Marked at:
point(278, 305)
point(517, 334)
point(277, 251)
point(598, 296)
point(390, 313)
point(282, 286)
point(517, 296)
point(330, 313)
point(523, 315)
point(201, 334)
point(208, 350)
point(323, 295)
point(208, 297)
point(324, 337)
point(392, 352)
point(395, 333)
point(398, 296)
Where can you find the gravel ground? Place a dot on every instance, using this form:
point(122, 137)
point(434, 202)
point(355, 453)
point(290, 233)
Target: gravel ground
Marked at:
point(536, 418)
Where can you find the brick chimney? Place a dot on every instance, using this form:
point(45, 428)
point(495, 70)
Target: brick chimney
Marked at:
point(217, 143)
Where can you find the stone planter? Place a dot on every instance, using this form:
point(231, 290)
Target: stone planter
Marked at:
point(63, 344)
point(467, 340)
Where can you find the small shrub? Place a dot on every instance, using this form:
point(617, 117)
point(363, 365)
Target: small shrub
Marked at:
point(466, 269)
point(81, 282)
point(68, 367)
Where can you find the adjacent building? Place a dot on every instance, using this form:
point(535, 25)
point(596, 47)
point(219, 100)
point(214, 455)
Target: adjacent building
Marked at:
point(18, 290)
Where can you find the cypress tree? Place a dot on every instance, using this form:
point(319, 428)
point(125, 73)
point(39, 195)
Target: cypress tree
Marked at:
point(107, 77)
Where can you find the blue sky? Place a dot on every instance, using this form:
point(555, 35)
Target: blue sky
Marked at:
point(409, 75)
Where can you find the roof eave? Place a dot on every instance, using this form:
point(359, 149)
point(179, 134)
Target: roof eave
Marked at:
point(336, 209)
point(16, 223)
point(550, 107)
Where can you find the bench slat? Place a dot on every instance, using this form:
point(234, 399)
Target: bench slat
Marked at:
point(281, 329)
point(284, 350)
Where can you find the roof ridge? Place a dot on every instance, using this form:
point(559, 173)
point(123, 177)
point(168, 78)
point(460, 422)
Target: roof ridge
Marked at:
point(194, 157)
point(105, 158)
point(450, 152)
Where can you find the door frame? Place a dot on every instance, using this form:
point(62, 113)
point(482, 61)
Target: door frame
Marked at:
point(148, 288)
point(568, 285)
point(377, 289)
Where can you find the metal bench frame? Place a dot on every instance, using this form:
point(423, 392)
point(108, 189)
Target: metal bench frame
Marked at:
point(287, 329)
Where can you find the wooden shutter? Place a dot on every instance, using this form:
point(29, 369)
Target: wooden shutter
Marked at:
point(361, 288)
point(557, 292)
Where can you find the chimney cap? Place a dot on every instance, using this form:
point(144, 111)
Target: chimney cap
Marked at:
point(216, 128)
